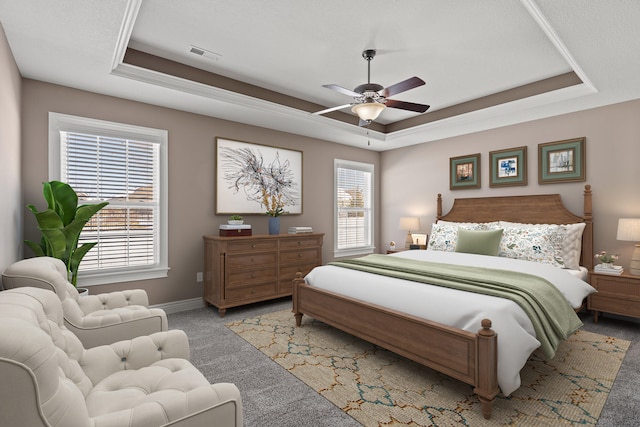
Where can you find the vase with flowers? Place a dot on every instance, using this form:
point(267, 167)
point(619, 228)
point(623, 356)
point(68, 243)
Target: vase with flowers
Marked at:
point(606, 258)
point(275, 208)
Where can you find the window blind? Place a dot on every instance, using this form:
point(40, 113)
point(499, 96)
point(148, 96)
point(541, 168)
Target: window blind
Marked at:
point(353, 206)
point(125, 173)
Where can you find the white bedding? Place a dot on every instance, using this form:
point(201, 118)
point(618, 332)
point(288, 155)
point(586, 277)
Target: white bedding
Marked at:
point(516, 337)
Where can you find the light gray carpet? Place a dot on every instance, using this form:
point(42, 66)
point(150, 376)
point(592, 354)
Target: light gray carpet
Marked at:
point(273, 397)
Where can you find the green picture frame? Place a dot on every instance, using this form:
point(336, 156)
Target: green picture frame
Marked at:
point(464, 172)
point(508, 167)
point(562, 161)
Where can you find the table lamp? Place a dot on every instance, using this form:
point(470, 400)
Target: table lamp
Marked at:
point(409, 223)
point(629, 230)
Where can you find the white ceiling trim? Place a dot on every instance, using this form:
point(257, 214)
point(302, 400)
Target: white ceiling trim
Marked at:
point(553, 36)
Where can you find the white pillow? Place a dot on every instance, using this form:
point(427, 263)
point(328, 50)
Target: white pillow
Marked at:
point(538, 244)
point(572, 245)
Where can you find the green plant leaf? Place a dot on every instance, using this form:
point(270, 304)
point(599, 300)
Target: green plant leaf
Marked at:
point(66, 201)
point(76, 258)
point(37, 249)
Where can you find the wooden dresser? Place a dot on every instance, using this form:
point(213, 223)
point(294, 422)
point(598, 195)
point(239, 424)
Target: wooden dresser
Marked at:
point(242, 270)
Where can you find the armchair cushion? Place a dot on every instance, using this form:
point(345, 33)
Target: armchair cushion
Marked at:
point(95, 319)
point(53, 380)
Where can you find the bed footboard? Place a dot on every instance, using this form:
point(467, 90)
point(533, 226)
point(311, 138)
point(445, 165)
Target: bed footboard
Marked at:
point(468, 357)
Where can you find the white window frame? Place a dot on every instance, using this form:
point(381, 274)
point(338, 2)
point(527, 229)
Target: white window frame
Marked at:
point(360, 250)
point(67, 123)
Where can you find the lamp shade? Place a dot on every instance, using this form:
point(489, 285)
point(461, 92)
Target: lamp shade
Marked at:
point(369, 110)
point(629, 229)
point(409, 223)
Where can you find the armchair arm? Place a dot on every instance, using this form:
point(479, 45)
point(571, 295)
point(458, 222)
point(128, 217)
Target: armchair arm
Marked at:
point(102, 361)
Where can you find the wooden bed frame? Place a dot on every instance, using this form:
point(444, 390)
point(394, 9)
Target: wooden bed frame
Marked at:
point(468, 357)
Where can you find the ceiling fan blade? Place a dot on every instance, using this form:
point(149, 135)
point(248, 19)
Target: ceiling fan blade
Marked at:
point(402, 86)
point(328, 110)
point(403, 105)
point(343, 90)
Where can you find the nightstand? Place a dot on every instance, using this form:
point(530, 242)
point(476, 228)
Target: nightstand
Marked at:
point(616, 294)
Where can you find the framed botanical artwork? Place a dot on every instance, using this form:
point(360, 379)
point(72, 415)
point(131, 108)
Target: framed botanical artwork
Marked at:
point(253, 178)
point(508, 167)
point(464, 172)
point(562, 161)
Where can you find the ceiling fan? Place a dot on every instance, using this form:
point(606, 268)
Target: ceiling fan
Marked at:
point(370, 99)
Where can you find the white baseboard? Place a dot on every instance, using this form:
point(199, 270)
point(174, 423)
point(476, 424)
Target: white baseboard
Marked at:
point(178, 306)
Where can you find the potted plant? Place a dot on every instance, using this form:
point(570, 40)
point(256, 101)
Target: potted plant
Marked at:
point(235, 220)
point(61, 224)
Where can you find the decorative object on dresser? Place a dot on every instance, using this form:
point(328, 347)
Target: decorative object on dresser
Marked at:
point(629, 230)
point(235, 220)
point(243, 270)
point(606, 265)
point(231, 230)
point(407, 224)
point(616, 294)
point(300, 230)
point(562, 161)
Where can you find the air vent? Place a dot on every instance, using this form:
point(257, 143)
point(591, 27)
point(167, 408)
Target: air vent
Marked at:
point(204, 52)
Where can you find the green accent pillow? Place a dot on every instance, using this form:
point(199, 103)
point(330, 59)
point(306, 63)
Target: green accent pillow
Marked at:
point(481, 242)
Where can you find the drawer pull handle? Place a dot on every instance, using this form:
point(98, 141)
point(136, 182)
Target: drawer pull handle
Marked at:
point(253, 291)
point(253, 246)
point(299, 242)
point(253, 276)
point(253, 260)
point(300, 255)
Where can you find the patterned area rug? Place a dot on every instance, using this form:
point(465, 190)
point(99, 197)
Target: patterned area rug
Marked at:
point(378, 388)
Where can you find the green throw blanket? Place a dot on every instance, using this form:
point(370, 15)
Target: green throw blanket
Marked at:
point(552, 316)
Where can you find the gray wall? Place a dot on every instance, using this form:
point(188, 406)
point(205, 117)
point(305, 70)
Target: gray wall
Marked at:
point(413, 176)
point(10, 190)
point(191, 175)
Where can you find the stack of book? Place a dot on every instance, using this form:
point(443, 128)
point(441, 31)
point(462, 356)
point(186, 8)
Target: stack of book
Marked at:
point(234, 230)
point(299, 230)
point(616, 270)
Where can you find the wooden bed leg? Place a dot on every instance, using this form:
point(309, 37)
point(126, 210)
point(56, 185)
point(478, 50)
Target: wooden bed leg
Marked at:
point(298, 280)
point(487, 384)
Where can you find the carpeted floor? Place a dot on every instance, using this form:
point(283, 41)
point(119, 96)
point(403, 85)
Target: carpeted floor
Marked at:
point(274, 397)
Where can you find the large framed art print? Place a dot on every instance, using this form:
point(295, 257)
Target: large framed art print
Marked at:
point(247, 173)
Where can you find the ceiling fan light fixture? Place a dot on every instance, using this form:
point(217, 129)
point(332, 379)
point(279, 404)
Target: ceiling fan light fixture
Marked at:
point(368, 111)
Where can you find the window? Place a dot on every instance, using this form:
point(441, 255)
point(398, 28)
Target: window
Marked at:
point(353, 208)
point(126, 166)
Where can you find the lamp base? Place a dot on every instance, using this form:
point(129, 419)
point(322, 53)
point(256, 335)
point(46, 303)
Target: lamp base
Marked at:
point(409, 241)
point(634, 268)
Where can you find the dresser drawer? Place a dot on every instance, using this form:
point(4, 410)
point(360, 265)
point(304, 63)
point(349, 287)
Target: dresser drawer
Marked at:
point(614, 305)
point(302, 256)
point(247, 277)
point(258, 259)
point(254, 245)
point(251, 292)
point(300, 242)
point(615, 285)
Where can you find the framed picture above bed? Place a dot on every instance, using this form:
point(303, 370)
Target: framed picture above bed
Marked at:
point(464, 172)
point(250, 176)
point(508, 167)
point(562, 161)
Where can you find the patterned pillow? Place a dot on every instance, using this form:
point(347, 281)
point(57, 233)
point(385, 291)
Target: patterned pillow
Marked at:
point(571, 246)
point(444, 235)
point(538, 244)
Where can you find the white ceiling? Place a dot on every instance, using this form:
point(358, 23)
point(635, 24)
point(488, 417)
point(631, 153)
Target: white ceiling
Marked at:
point(463, 49)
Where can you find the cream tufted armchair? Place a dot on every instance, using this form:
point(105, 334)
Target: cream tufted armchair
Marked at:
point(50, 379)
point(95, 319)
